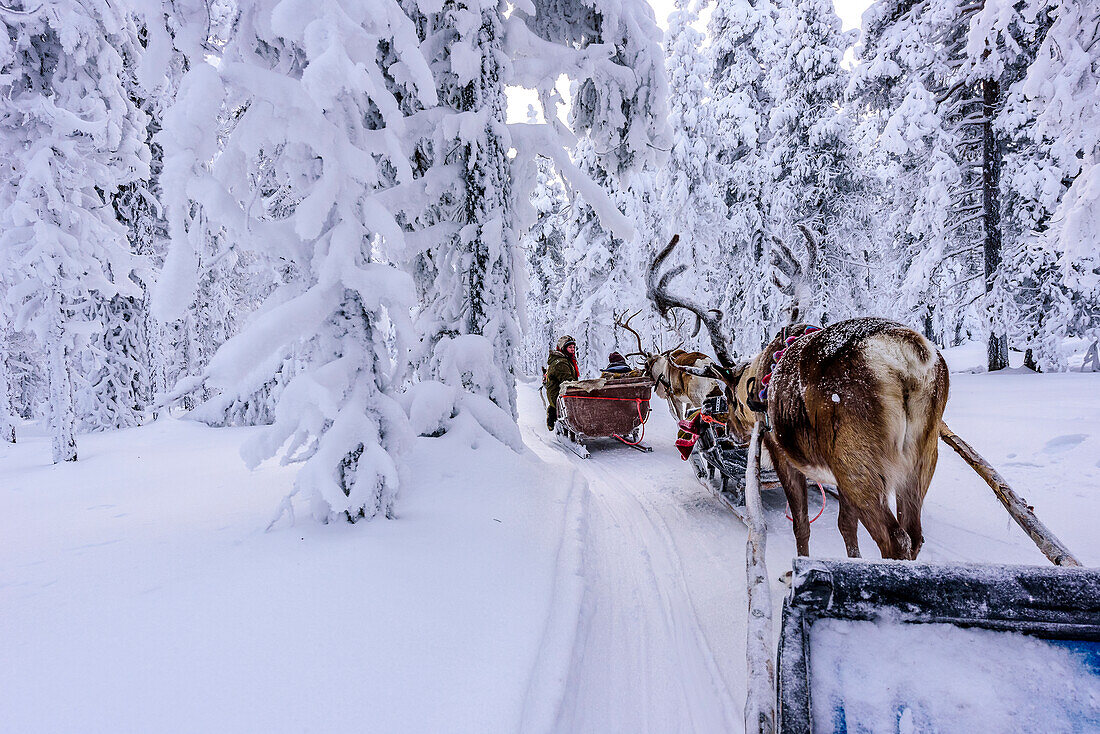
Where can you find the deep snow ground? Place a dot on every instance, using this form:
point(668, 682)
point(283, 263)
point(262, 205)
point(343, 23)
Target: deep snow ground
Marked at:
point(139, 592)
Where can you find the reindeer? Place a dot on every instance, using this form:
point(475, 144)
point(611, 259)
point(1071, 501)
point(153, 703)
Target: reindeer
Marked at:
point(856, 405)
point(680, 378)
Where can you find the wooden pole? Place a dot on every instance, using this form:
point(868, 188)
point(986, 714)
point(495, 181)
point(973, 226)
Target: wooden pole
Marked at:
point(760, 698)
point(1051, 547)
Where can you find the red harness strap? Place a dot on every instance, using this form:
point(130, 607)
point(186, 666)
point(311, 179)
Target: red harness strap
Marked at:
point(819, 512)
point(778, 355)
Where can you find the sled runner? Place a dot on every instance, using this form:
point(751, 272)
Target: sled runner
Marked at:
point(604, 408)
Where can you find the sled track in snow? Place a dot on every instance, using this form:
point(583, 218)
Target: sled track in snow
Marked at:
point(679, 610)
point(645, 657)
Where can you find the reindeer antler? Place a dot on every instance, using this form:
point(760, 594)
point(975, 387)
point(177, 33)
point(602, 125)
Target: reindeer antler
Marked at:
point(657, 291)
point(677, 324)
point(626, 325)
point(796, 272)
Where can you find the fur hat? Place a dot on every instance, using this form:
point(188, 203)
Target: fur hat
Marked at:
point(564, 342)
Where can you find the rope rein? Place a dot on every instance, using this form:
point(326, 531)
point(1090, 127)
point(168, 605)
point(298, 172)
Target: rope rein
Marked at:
point(787, 512)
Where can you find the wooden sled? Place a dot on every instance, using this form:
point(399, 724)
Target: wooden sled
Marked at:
point(615, 408)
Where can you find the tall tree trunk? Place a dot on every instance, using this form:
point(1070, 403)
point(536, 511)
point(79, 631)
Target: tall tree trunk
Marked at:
point(62, 412)
point(1029, 360)
point(7, 409)
point(991, 209)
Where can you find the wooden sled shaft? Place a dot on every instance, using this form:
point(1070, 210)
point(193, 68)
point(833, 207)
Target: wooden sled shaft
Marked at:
point(1048, 543)
point(760, 696)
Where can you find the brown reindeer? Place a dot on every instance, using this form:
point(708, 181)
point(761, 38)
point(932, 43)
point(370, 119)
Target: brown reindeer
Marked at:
point(680, 378)
point(856, 405)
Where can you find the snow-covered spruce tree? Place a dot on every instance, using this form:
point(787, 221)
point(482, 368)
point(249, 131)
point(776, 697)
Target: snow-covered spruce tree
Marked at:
point(27, 382)
point(743, 46)
point(468, 277)
point(688, 183)
point(319, 114)
point(993, 47)
point(122, 367)
point(934, 73)
point(1051, 176)
point(8, 418)
point(597, 281)
point(71, 136)
point(915, 154)
point(474, 288)
point(976, 56)
point(910, 158)
point(175, 37)
point(809, 153)
point(112, 385)
point(138, 206)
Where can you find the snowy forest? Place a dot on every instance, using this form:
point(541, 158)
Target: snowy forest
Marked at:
point(320, 218)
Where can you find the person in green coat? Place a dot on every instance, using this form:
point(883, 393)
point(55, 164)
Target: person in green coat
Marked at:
point(561, 366)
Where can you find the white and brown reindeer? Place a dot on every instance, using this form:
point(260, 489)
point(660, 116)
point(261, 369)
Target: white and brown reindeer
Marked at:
point(856, 405)
point(682, 379)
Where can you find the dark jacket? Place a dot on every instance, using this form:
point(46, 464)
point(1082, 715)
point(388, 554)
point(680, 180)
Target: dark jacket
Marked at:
point(617, 367)
point(560, 367)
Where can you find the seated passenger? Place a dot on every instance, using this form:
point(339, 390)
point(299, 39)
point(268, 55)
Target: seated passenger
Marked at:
point(617, 367)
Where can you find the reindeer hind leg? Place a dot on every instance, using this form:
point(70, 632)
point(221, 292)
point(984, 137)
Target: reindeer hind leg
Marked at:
point(910, 497)
point(794, 487)
point(867, 491)
point(848, 524)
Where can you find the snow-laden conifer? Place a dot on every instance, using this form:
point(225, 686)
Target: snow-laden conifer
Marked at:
point(597, 281)
point(743, 46)
point(689, 183)
point(1054, 178)
point(473, 266)
point(318, 133)
point(475, 195)
point(543, 245)
point(71, 137)
point(809, 152)
point(8, 418)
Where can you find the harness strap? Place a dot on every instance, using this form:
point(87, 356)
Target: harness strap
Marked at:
point(778, 355)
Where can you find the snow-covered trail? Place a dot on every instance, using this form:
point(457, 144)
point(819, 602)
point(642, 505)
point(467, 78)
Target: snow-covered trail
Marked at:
point(660, 644)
